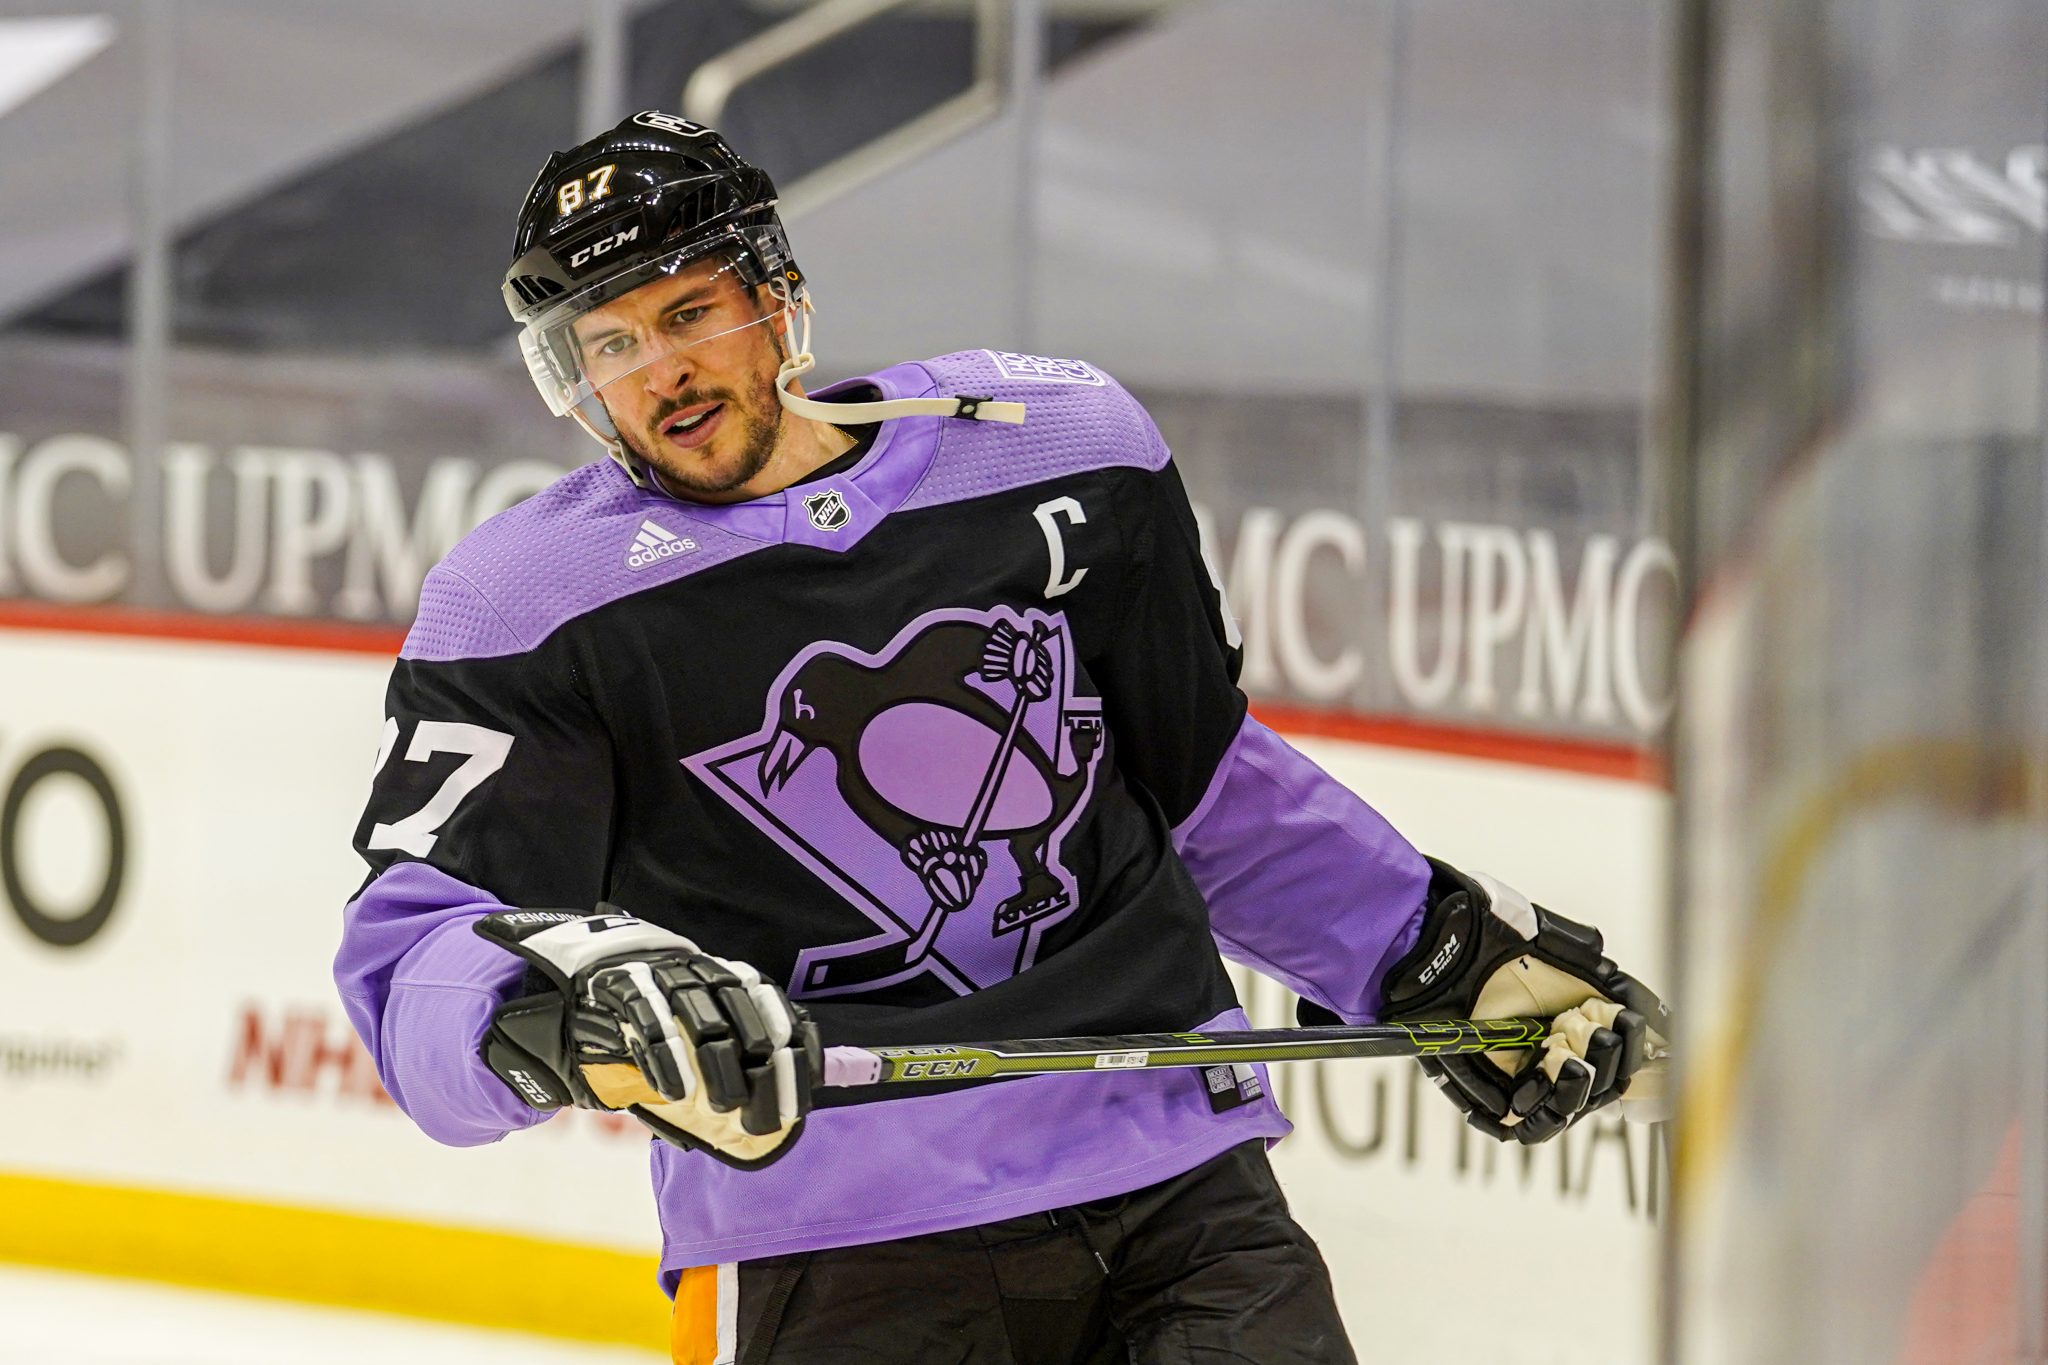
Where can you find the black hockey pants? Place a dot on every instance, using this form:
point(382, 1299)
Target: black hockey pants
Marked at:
point(1207, 1268)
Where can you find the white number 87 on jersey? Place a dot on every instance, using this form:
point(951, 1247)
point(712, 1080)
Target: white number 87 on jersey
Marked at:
point(486, 750)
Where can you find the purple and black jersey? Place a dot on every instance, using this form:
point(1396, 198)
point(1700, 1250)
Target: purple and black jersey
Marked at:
point(949, 743)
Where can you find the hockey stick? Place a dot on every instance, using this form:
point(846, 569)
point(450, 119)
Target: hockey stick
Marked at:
point(1136, 1051)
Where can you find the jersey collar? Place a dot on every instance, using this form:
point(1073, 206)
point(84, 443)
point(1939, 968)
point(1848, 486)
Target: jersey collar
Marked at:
point(835, 513)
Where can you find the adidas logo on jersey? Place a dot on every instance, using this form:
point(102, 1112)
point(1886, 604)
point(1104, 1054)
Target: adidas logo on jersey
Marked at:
point(652, 544)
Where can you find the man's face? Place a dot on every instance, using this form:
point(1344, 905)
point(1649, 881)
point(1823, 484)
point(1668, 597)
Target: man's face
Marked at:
point(689, 383)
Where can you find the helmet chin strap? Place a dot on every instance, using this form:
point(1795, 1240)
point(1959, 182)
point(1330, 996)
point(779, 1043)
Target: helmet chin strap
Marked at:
point(597, 423)
point(969, 406)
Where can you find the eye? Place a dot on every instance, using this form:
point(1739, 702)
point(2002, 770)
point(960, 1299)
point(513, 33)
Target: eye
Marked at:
point(614, 345)
point(688, 317)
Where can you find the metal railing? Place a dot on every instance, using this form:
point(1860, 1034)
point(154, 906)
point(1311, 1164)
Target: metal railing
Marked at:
point(1005, 39)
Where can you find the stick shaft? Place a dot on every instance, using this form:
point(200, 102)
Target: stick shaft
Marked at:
point(1150, 1051)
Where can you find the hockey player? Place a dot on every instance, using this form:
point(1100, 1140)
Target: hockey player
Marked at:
point(912, 701)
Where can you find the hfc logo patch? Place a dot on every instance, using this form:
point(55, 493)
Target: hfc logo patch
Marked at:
point(1045, 368)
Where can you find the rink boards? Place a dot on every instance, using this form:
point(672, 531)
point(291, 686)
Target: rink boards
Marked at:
point(185, 1100)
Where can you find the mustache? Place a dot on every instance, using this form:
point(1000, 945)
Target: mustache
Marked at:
point(691, 399)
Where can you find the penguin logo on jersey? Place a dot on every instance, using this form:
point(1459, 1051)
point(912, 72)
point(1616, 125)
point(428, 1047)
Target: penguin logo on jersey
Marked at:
point(931, 785)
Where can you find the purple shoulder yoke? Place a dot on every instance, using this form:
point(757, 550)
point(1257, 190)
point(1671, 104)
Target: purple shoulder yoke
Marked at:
point(592, 536)
point(586, 539)
point(1076, 418)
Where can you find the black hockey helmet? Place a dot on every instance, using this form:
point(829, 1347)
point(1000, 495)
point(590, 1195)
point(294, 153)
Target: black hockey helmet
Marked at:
point(643, 200)
point(653, 197)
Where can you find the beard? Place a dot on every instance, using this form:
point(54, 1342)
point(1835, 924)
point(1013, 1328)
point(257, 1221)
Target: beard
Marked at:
point(753, 422)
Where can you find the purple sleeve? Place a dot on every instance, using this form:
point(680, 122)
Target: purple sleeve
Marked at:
point(419, 986)
point(1305, 882)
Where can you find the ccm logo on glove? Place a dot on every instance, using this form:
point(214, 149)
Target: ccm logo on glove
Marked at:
point(1443, 959)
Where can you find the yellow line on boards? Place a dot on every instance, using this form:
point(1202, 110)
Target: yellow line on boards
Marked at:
point(489, 1279)
point(1970, 775)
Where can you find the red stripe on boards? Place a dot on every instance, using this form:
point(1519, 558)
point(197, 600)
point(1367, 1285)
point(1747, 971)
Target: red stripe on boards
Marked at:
point(278, 632)
point(1592, 757)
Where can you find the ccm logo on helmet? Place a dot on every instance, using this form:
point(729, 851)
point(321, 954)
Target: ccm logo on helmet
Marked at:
point(603, 246)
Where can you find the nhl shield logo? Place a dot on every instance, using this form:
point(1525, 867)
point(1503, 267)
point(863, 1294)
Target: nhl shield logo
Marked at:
point(828, 510)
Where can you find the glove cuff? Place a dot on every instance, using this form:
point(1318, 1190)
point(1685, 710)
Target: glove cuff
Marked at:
point(562, 943)
point(523, 1048)
point(529, 1044)
point(1471, 925)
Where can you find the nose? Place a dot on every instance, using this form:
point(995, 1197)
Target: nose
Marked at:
point(668, 374)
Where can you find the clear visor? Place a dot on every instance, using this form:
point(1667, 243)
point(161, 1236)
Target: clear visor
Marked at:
point(610, 332)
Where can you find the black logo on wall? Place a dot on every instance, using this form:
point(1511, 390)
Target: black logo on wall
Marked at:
point(61, 930)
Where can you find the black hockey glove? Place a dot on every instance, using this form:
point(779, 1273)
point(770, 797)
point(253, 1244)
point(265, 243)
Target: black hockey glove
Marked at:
point(703, 1051)
point(1486, 952)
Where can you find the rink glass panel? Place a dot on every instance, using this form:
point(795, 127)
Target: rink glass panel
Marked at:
point(70, 146)
point(1859, 765)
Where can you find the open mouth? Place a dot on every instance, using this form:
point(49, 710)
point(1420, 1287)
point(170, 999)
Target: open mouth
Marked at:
point(693, 427)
